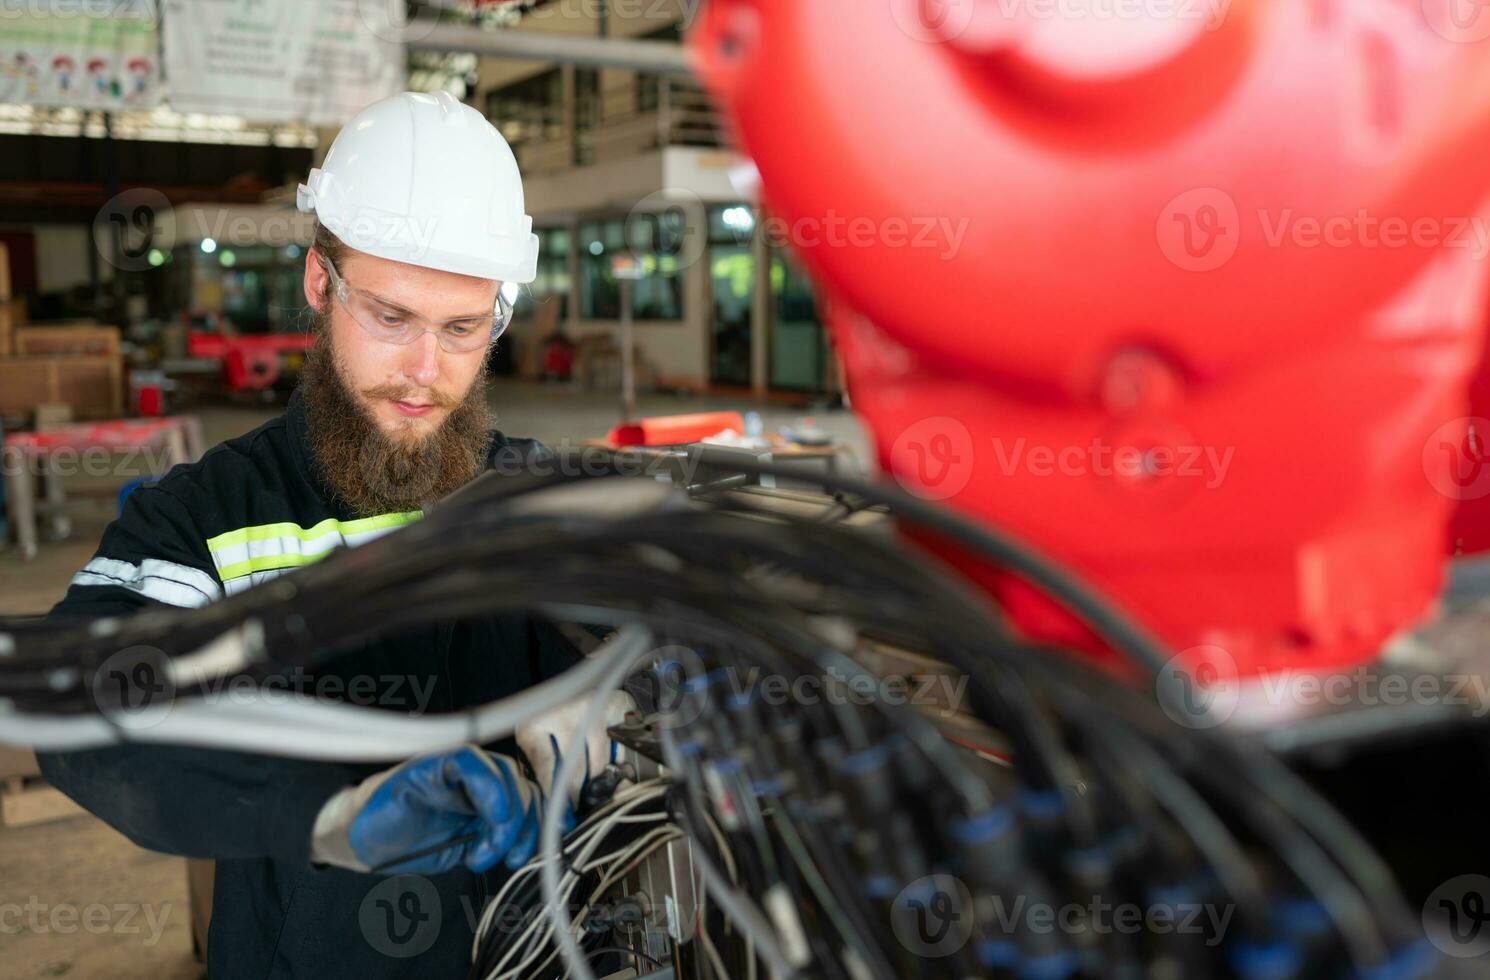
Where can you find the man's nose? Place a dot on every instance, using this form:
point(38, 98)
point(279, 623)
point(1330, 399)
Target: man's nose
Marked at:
point(422, 360)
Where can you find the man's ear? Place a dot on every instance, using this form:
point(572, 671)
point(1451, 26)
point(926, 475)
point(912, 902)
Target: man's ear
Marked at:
point(315, 281)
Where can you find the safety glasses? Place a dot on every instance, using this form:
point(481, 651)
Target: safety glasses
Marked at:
point(393, 324)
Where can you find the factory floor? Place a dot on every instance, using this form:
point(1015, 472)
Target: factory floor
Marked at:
point(79, 900)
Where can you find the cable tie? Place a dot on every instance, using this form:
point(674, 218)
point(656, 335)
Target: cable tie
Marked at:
point(1276, 960)
point(998, 954)
point(1408, 963)
point(1181, 894)
point(697, 683)
point(1051, 966)
point(864, 761)
point(1302, 916)
point(768, 787)
point(1042, 803)
point(985, 826)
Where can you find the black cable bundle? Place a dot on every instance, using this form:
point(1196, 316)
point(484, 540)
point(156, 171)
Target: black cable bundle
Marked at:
point(848, 816)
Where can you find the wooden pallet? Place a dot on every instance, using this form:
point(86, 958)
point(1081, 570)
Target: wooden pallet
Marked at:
point(24, 802)
point(92, 385)
point(84, 338)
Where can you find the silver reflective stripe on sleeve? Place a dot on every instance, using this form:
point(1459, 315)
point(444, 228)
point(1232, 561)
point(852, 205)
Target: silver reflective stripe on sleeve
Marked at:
point(243, 583)
point(163, 581)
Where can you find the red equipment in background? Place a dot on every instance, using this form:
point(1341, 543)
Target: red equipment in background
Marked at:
point(1184, 303)
point(250, 362)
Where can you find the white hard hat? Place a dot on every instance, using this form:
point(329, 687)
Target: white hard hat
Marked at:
point(422, 178)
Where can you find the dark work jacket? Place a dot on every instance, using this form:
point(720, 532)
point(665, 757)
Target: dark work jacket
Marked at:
point(253, 508)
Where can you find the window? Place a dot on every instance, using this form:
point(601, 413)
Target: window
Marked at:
point(588, 112)
point(532, 109)
point(799, 350)
point(732, 291)
point(599, 292)
point(553, 280)
point(649, 86)
point(656, 240)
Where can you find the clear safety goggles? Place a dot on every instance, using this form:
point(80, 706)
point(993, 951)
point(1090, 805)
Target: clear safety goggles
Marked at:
point(393, 324)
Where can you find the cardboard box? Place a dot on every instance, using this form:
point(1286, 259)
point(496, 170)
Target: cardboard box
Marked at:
point(17, 762)
point(93, 386)
point(9, 320)
point(85, 338)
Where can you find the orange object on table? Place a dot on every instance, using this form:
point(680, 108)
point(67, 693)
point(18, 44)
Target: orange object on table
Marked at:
point(670, 430)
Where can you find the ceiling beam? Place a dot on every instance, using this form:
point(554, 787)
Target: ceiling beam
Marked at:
point(654, 57)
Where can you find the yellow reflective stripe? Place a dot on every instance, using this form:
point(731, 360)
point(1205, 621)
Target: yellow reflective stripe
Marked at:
point(265, 563)
point(266, 531)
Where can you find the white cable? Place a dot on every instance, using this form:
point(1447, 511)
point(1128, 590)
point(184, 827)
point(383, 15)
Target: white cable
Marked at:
point(627, 857)
point(615, 810)
point(714, 959)
point(314, 730)
point(637, 852)
point(729, 864)
point(737, 906)
point(570, 881)
point(548, 841)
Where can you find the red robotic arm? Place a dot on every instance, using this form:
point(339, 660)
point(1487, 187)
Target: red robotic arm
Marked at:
point(1182, 296)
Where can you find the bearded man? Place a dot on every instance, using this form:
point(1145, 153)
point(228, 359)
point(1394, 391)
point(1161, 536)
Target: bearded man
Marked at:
point(421, 239)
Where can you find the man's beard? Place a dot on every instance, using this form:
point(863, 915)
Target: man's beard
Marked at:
point(368, 470)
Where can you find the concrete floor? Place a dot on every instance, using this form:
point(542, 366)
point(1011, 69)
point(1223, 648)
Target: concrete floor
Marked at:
point(51, 874)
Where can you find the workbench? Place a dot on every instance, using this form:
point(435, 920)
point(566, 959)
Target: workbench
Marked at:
point(32, 455)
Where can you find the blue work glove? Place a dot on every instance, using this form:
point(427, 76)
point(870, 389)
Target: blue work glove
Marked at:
point(428, 802)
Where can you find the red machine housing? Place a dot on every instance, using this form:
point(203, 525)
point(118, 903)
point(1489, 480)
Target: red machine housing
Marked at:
point(250, 362)
point(1185, 306)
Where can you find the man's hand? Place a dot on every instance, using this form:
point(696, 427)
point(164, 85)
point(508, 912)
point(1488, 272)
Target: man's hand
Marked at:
point(544, 740)
point(428, 802)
